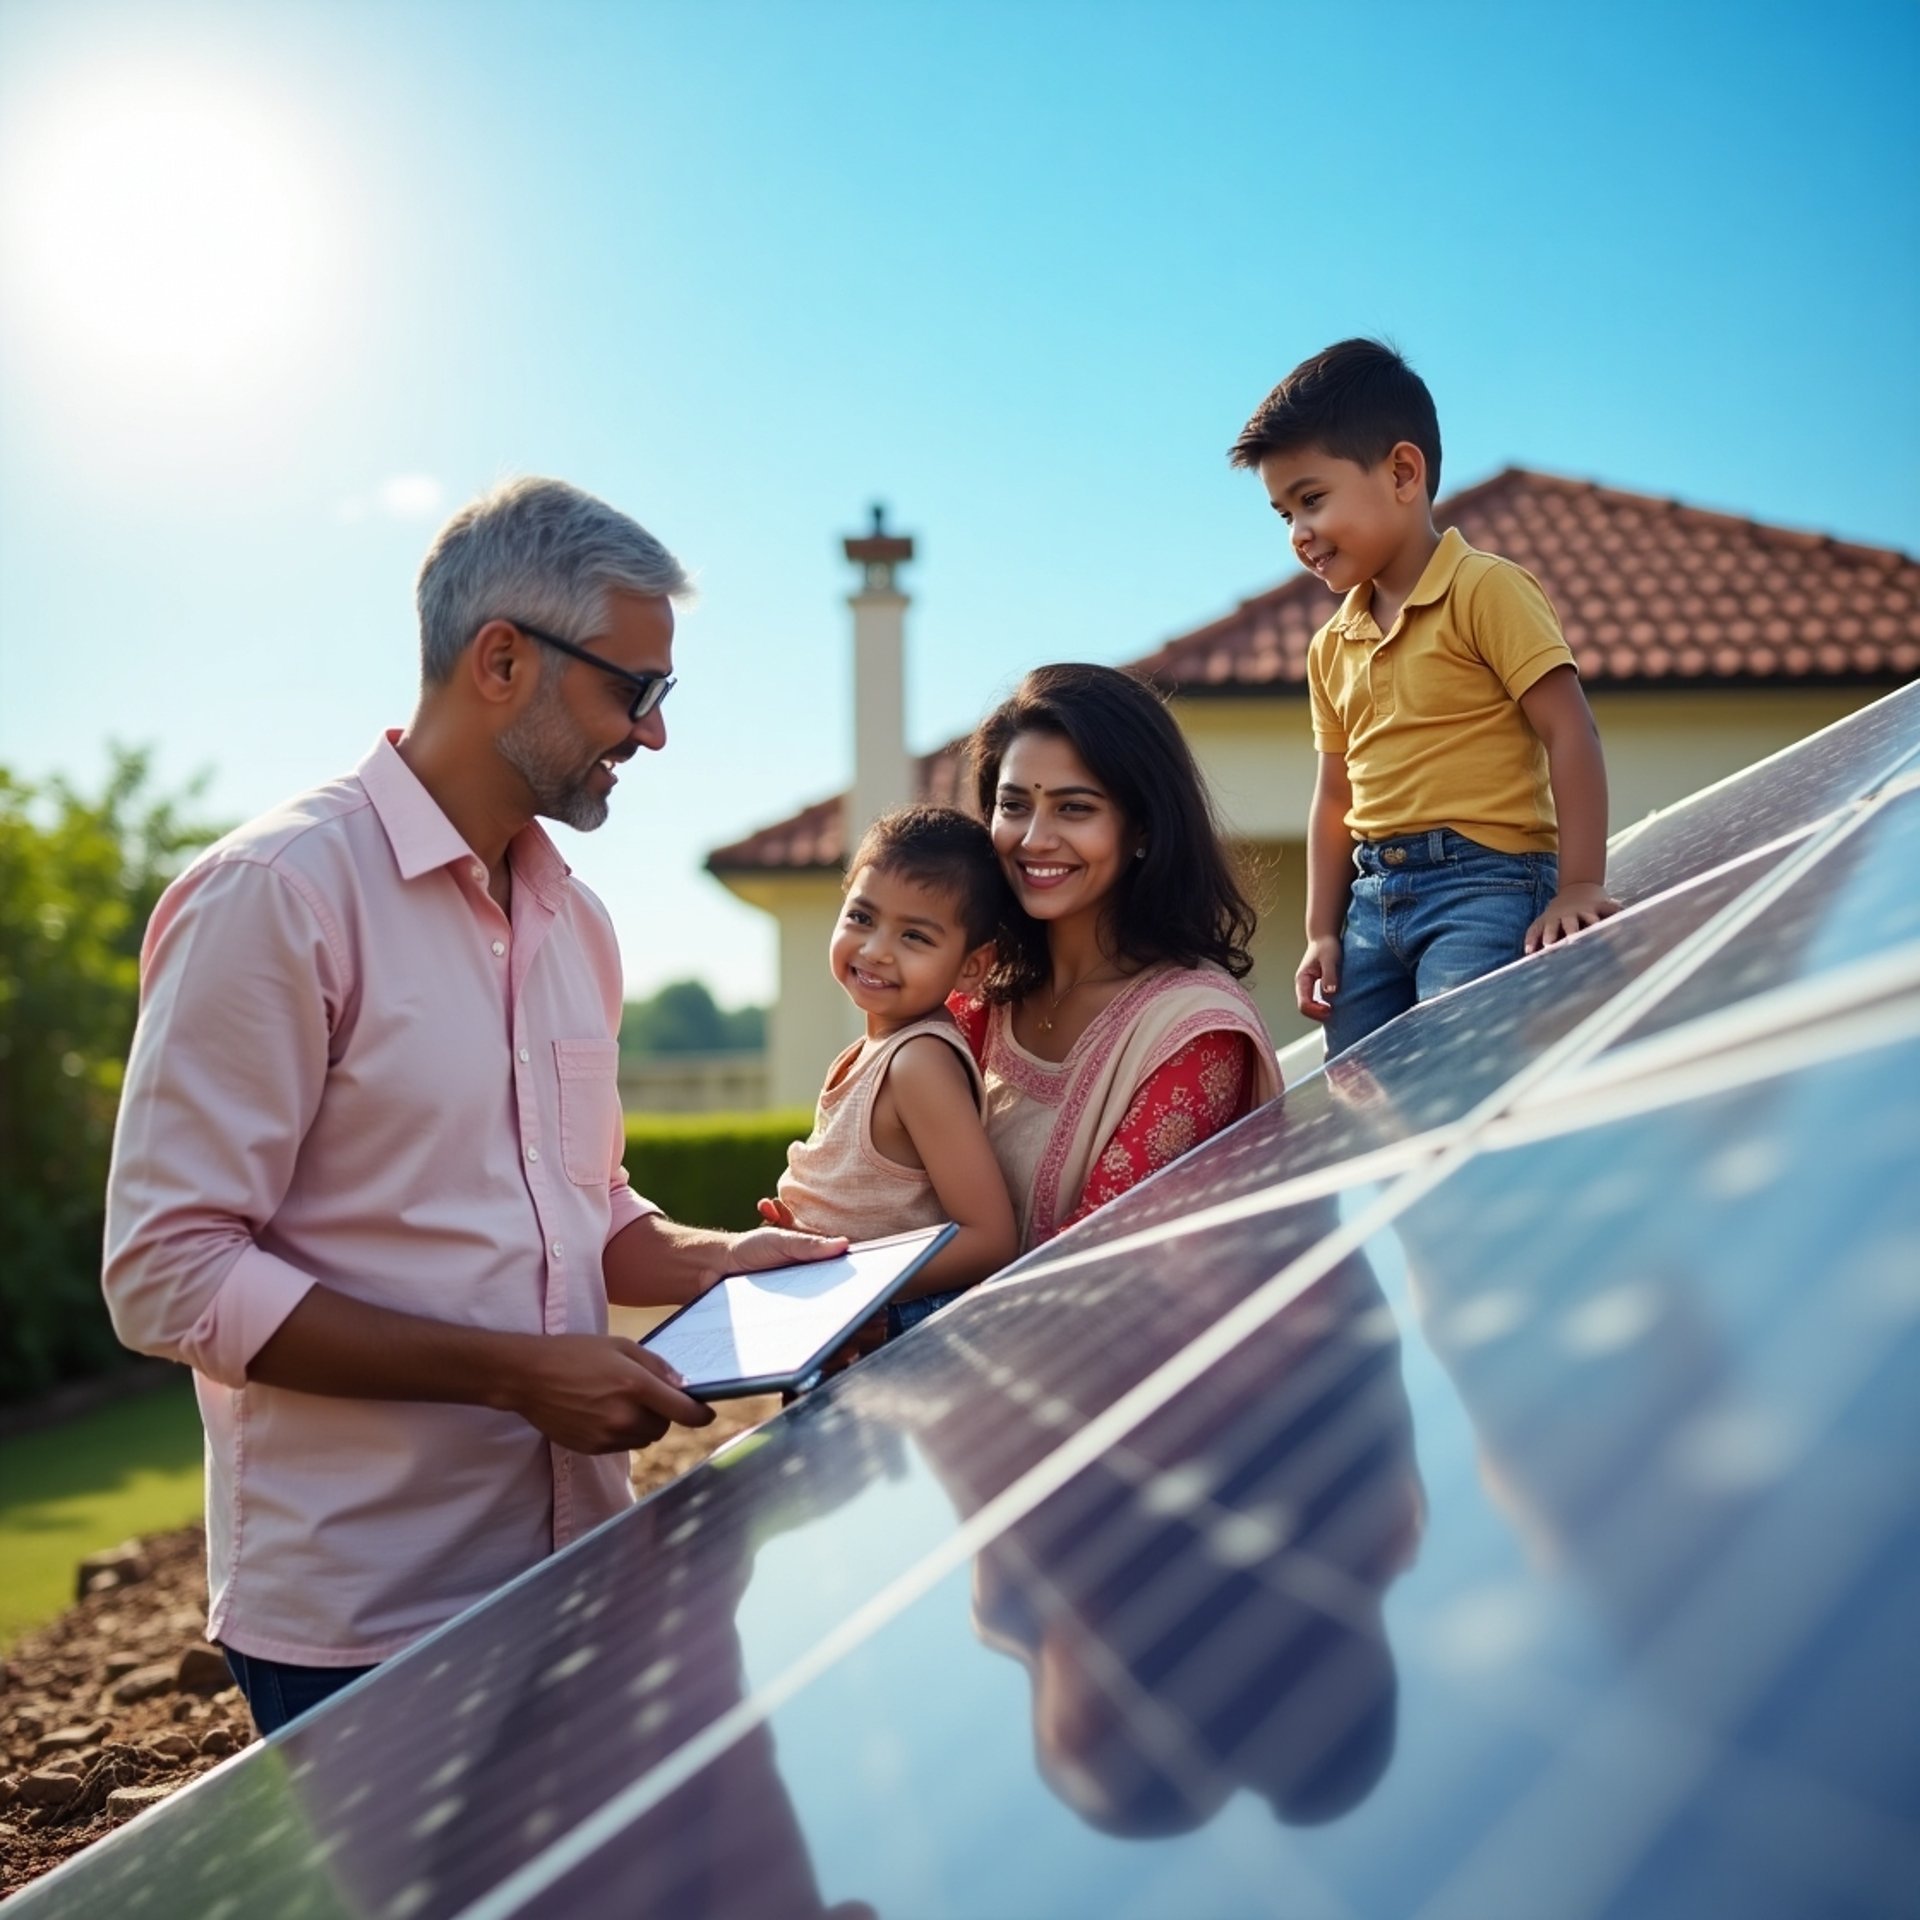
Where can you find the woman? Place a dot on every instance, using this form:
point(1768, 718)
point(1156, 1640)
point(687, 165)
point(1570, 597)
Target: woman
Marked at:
point(1113, 1032)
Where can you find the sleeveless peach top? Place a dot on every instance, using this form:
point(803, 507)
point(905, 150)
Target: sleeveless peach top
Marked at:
point(837, 1181)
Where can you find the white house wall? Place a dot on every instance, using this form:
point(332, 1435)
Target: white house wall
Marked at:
point(811, 1019)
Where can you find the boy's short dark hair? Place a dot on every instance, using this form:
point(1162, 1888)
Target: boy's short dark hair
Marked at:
point(1357, 400)
point(947, 851)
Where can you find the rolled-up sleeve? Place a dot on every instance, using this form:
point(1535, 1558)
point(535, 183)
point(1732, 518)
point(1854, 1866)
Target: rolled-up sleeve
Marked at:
point(238, 977)
point(624, 1206)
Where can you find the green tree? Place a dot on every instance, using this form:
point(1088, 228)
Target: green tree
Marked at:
point(78, 879)
point(683, 1018)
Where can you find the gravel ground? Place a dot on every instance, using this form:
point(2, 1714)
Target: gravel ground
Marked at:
point(119, 1702)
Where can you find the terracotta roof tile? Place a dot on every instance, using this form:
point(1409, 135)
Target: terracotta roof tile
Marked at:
point(1650, 592)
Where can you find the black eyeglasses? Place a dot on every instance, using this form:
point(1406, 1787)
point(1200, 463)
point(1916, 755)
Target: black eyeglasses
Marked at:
point(649, 689)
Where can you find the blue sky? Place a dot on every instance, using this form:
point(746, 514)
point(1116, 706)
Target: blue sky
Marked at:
point(281, 283)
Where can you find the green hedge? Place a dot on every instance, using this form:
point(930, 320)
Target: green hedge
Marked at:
point(709, 1168)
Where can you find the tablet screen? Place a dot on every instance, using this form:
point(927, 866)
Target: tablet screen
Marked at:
point(764, 1330)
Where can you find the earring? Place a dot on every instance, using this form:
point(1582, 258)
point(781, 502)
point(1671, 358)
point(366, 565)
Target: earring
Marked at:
point(1139, 853)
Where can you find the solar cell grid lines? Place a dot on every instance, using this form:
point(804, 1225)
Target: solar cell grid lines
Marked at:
point(1238, 1597)
point(1392, 1504)
point(1862, 900)
point(1723, 1460)
point(1781, 796)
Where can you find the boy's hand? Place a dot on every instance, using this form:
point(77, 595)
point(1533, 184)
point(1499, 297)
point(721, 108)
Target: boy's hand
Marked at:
point(1320, 969)
point(1584, 904)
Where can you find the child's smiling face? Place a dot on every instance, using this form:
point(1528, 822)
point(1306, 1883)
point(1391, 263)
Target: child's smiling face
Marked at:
point(1347, 522)
point(900, 948)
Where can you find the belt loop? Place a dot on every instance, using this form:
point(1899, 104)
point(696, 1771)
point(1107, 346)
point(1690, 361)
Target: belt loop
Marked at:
point(1436, 844)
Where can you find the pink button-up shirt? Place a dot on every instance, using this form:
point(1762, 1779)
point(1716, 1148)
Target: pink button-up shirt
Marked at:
point(350, 1068)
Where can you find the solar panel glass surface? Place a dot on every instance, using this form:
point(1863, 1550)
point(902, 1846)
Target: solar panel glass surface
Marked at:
point(1783, 795)
point(1860, 900)
point(1642, 1649)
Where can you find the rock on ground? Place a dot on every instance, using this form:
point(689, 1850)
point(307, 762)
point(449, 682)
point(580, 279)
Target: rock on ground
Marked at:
point(119, 1702)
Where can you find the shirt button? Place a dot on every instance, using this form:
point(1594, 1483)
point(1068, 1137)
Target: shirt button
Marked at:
point(525, 1055)
point(499, 946)
point(533, 1153)
point(557, 1249)
point(479, 872)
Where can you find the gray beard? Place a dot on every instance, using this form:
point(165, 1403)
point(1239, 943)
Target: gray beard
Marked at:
point(543, 748)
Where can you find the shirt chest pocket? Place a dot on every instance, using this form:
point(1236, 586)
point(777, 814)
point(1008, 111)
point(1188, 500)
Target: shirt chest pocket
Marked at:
point(590, 1117)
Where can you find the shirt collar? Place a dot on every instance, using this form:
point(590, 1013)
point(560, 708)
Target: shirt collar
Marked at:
point(424, 839)
point(1436, 580)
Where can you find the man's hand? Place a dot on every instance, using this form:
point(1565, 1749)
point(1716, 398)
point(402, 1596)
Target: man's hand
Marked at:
point(656, 1262)
point(778, 1246)
point(1319, 969)
point(597, 1393)
point(1584, 904)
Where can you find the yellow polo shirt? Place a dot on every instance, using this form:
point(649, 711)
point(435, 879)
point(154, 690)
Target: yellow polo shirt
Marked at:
point(1428, 715)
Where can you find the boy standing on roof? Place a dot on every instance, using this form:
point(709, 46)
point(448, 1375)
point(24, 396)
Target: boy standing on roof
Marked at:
point(1459, 816)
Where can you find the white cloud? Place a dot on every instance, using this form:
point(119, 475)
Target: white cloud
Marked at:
point(401, 496)
point(411, 496)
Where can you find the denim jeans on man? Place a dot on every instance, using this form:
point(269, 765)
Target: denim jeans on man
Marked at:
point(277, 1693)
point(1429, 911)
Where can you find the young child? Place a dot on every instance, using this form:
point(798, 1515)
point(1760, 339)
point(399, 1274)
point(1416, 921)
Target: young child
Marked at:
point(898, 1140)
point(1458, 756)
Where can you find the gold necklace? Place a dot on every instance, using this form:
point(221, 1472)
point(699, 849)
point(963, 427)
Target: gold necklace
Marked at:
point(1086, 979)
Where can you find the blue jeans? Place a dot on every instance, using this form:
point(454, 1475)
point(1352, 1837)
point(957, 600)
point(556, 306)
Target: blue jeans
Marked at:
point(1429, 911)
point(277, 1692)
point(905, 1314)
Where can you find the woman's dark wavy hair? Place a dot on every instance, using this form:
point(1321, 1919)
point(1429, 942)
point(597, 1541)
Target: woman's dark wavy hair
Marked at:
point(1181, 902)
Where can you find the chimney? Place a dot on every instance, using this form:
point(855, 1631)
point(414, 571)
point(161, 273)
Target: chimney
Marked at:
point(882, 777)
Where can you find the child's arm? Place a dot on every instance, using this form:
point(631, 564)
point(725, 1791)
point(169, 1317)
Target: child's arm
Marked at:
point(934, 1100)
point(1329, 882)
point(1557, 711)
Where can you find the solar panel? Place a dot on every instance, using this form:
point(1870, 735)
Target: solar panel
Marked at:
point(1647, 1652)
point(1396, 1508)
point(1780, 796)
point(1859, 903)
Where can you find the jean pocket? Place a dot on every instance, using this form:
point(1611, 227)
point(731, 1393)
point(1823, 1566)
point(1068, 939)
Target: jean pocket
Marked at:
point(1472, 868)
point(590, 1116)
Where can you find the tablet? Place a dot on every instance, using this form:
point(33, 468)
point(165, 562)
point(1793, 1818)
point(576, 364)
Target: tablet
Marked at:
point(769, 1332)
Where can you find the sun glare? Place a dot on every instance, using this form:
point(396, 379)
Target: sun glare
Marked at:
point(166, 241)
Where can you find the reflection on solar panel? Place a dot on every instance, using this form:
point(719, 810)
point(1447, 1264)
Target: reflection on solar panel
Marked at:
point(1482, 1484)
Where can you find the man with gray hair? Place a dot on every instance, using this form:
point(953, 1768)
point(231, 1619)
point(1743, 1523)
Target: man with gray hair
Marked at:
point(366, 1180)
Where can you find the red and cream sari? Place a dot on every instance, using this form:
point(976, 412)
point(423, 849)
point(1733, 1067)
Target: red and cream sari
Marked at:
point(1178, 1054)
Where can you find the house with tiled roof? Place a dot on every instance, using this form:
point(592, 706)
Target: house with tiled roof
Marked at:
point(1705, 642)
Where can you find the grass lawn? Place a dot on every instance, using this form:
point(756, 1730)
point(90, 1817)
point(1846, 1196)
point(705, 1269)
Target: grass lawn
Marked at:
point(66, 1491)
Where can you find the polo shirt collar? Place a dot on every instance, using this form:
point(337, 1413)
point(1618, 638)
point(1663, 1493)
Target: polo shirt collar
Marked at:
point(423, 839)
point(1436, 577)
point(1434, 584)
